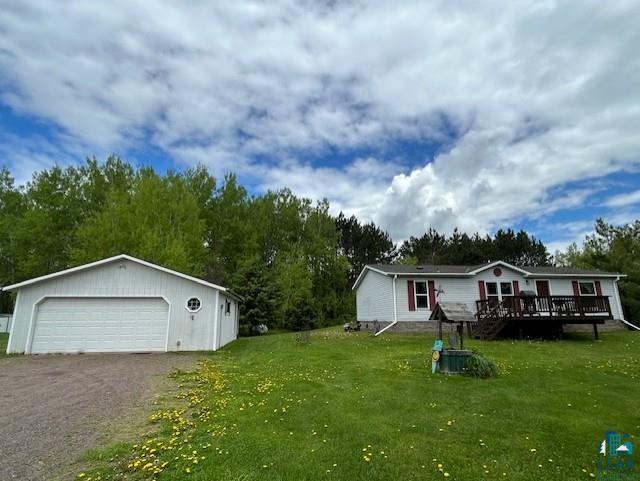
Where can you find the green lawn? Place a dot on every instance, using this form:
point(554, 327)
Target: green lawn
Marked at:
point(355, 407)
point(4, 339)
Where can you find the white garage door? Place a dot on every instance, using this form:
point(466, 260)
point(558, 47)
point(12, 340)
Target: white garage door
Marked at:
point(100, 325)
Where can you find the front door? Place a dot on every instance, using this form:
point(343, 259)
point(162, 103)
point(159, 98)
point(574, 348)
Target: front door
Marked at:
point(543, 288)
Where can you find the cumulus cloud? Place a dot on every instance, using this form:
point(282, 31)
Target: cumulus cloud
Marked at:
point(527, 98)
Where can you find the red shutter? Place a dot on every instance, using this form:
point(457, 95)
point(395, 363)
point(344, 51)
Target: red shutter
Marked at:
point(432, 295)
point(516, 292)
point(483, 292)
point(598, 288)
point(576, 289)
point(412, 296)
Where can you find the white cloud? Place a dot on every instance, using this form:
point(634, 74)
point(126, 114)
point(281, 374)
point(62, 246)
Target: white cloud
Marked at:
point(623, 200)
point(570, 233)
point(30, 154)
point(537, 95)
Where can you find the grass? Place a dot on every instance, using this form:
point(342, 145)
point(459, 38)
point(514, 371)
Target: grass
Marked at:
point(4, 339)
point(351, 406)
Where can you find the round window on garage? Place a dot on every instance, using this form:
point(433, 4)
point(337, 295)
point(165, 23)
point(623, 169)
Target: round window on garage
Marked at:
point(193, 304)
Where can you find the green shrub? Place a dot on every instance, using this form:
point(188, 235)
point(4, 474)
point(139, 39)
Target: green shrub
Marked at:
point(479, 366)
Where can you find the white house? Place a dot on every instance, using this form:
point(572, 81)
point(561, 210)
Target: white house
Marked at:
point(121, 304)
point(405, 295)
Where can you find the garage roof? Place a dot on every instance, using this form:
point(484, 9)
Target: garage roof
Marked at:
point(114, 259)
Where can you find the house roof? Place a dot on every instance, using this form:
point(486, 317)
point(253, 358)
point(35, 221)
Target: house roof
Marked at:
point(109, 260)
point(432, 270)
point(421, 269)
point(567, 271)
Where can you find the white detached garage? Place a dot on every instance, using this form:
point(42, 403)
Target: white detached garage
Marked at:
point(121, 304)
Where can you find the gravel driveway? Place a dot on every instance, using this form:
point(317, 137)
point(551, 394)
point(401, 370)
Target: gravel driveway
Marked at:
point(54, 408)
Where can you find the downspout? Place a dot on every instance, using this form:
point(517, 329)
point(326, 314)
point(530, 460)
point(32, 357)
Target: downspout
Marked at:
point(619, 303)
point(395, 308)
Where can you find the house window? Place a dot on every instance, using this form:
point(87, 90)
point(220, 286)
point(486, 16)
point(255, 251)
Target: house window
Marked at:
point(422, 295)
point(193, 304)
point(506, 289)
point(227, 308)
point(492, 293)
point(496, 292)
point(587, 289)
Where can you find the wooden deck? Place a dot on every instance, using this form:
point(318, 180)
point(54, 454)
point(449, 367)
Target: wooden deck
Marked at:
point(495, 316)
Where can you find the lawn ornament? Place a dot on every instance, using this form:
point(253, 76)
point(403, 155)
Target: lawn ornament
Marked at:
point(435, 355)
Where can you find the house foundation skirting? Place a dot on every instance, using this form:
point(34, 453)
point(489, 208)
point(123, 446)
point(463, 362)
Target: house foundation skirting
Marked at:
point(431, 326)
point(609, 325)
point(401, 326)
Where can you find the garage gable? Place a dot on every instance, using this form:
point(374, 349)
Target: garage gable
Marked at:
point(112, 260)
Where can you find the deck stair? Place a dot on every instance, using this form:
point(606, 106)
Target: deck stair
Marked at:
point(492, 320)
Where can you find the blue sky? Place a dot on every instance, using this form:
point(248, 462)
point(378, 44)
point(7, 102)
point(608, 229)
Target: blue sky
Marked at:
point(476, 115)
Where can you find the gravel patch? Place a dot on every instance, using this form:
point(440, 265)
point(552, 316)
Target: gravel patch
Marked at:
point(55, 407)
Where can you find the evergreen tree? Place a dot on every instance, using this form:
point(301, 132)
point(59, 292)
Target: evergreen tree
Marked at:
point(519, 249)
point(612, 248)
point(363, 244)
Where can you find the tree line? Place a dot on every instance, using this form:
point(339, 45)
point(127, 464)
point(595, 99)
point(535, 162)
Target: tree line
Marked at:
point(612, 248)
point(287, 256)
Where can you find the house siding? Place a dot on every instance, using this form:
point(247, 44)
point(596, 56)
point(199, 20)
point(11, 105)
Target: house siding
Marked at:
point(123, 278)
point(374, 297)
point(457, 289)
point(378, 289)
point(563, 287)
point(228, 323)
